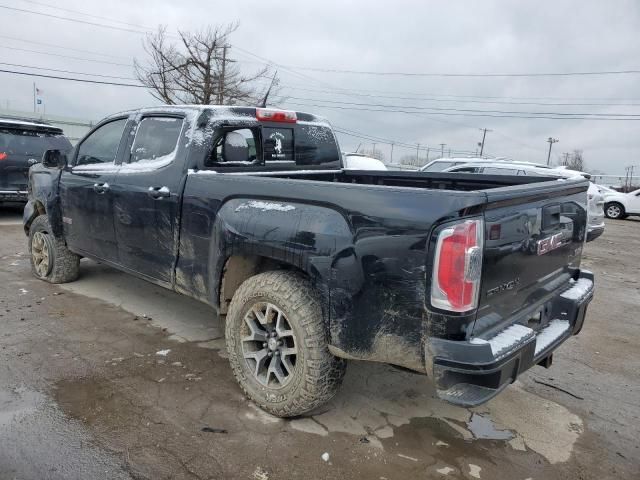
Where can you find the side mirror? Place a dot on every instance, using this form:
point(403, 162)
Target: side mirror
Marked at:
point(54, 159)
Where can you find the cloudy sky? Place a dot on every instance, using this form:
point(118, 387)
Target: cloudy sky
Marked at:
point(489, 37)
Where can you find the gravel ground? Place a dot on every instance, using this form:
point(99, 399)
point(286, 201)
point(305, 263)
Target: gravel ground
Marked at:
point(84, 394)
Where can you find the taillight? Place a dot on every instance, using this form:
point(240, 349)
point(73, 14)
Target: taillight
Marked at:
point(268, 115)
point(3, 156)
point(458, 266)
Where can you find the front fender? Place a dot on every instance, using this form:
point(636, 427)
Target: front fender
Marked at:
point(43, 198)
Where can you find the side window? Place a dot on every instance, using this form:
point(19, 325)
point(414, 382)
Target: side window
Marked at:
point(236, 148)
point(499, 171)
point(156, 138)
point(467, 170)
point(102, 145)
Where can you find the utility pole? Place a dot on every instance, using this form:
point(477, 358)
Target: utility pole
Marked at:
point(442, 145)
point(551, 142)
point(484, 135)
point(427, 154)
point(417, 154)
point(391, 161)
point(565, 162)
point(34, 97)
point(373, 153)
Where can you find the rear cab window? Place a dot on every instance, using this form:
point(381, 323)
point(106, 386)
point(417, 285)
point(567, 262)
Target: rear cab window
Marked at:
point(272, 146)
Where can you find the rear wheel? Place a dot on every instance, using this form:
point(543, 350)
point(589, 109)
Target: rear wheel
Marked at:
point(277, 344)
point(614, 210)
point(51, 260)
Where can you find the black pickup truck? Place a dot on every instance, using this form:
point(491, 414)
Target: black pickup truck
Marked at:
point(469, 279)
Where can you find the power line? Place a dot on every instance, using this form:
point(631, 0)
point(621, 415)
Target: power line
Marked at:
point(75, 20)
point(586, 114)
point(67, 71)
point(66, 56)
point(55, 7)
point(71, 79)
point(457, 100)
point(470, 75)
point(457, 114)
point(44, 44)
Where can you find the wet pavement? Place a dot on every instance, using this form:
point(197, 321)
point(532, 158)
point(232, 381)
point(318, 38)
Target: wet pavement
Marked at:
point(111, 377)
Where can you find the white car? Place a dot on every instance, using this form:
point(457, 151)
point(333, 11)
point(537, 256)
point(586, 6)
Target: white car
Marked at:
point(621, 205)
point(595, 200)
point(359, 161)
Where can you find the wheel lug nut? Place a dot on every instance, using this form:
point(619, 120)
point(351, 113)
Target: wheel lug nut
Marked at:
point(277, 353)
point(270, 354)
point(264, 345)
point(279, 343)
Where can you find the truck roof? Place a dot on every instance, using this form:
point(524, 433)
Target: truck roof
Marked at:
point(222, 111)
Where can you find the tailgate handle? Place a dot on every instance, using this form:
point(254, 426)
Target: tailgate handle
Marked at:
point(550, 216)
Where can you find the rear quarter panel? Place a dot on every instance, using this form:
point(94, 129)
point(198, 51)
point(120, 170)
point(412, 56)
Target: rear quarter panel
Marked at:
point(363, 247)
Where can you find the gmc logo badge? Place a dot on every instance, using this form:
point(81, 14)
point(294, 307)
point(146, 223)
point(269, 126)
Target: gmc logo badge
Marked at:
point(550, 243)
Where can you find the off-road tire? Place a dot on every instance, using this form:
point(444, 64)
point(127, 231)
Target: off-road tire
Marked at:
point(608, 213)
point(317, 374)
point(63, 265)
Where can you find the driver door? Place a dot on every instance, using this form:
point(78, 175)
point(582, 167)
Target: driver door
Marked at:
point(85, 191)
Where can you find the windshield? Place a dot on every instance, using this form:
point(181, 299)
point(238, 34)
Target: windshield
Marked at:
point(24, 142)
point(439, 166)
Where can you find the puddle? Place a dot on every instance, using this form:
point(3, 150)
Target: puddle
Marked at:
point(483, 427)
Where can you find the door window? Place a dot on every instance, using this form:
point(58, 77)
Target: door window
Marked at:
point(156, 139)
point(102, 145)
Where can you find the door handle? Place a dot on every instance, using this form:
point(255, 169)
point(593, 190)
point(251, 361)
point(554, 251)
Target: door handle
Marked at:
point(159, 192)
point(101, 187)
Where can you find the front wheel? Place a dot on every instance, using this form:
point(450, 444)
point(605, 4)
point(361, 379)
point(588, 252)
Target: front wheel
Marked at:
point(51, 260)
point(614, 210)
point(277, 343)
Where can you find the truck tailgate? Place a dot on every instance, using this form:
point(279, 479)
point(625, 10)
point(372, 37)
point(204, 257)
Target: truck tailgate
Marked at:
point(534, 236)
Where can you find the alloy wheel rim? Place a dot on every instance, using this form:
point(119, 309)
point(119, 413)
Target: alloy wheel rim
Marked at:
point(613, 211)
point(40, 254)
point(269, 345)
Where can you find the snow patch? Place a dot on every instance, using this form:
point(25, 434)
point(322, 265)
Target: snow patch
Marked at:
point(506, 339)
point(578, 290)
point(325, 456)
point(148, 164)
point(445, 470)
point(474, 470)
point(265, 206)
point(551, 333)
point(163, 353)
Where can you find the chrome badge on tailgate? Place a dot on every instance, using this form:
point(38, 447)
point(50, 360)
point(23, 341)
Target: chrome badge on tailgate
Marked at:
point(550, 243)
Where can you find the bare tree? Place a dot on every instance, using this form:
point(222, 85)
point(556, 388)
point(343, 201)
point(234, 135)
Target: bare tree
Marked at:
point(374, 153)
point(196, 69)
point(573, 160)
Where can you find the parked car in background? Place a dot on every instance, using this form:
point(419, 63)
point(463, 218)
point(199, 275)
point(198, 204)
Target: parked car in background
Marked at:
point(595, 203)
point(621, 205)
point(22, 143)
point(360, 161)
point(441, 164)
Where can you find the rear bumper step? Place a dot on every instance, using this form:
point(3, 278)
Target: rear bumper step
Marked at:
point(473, 372)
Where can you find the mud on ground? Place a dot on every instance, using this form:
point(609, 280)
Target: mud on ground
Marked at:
point(110, 377)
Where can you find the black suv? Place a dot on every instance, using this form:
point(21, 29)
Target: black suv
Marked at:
point(22, 143)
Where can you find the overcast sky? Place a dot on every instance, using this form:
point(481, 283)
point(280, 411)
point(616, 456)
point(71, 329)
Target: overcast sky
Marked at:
point(424, 37)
